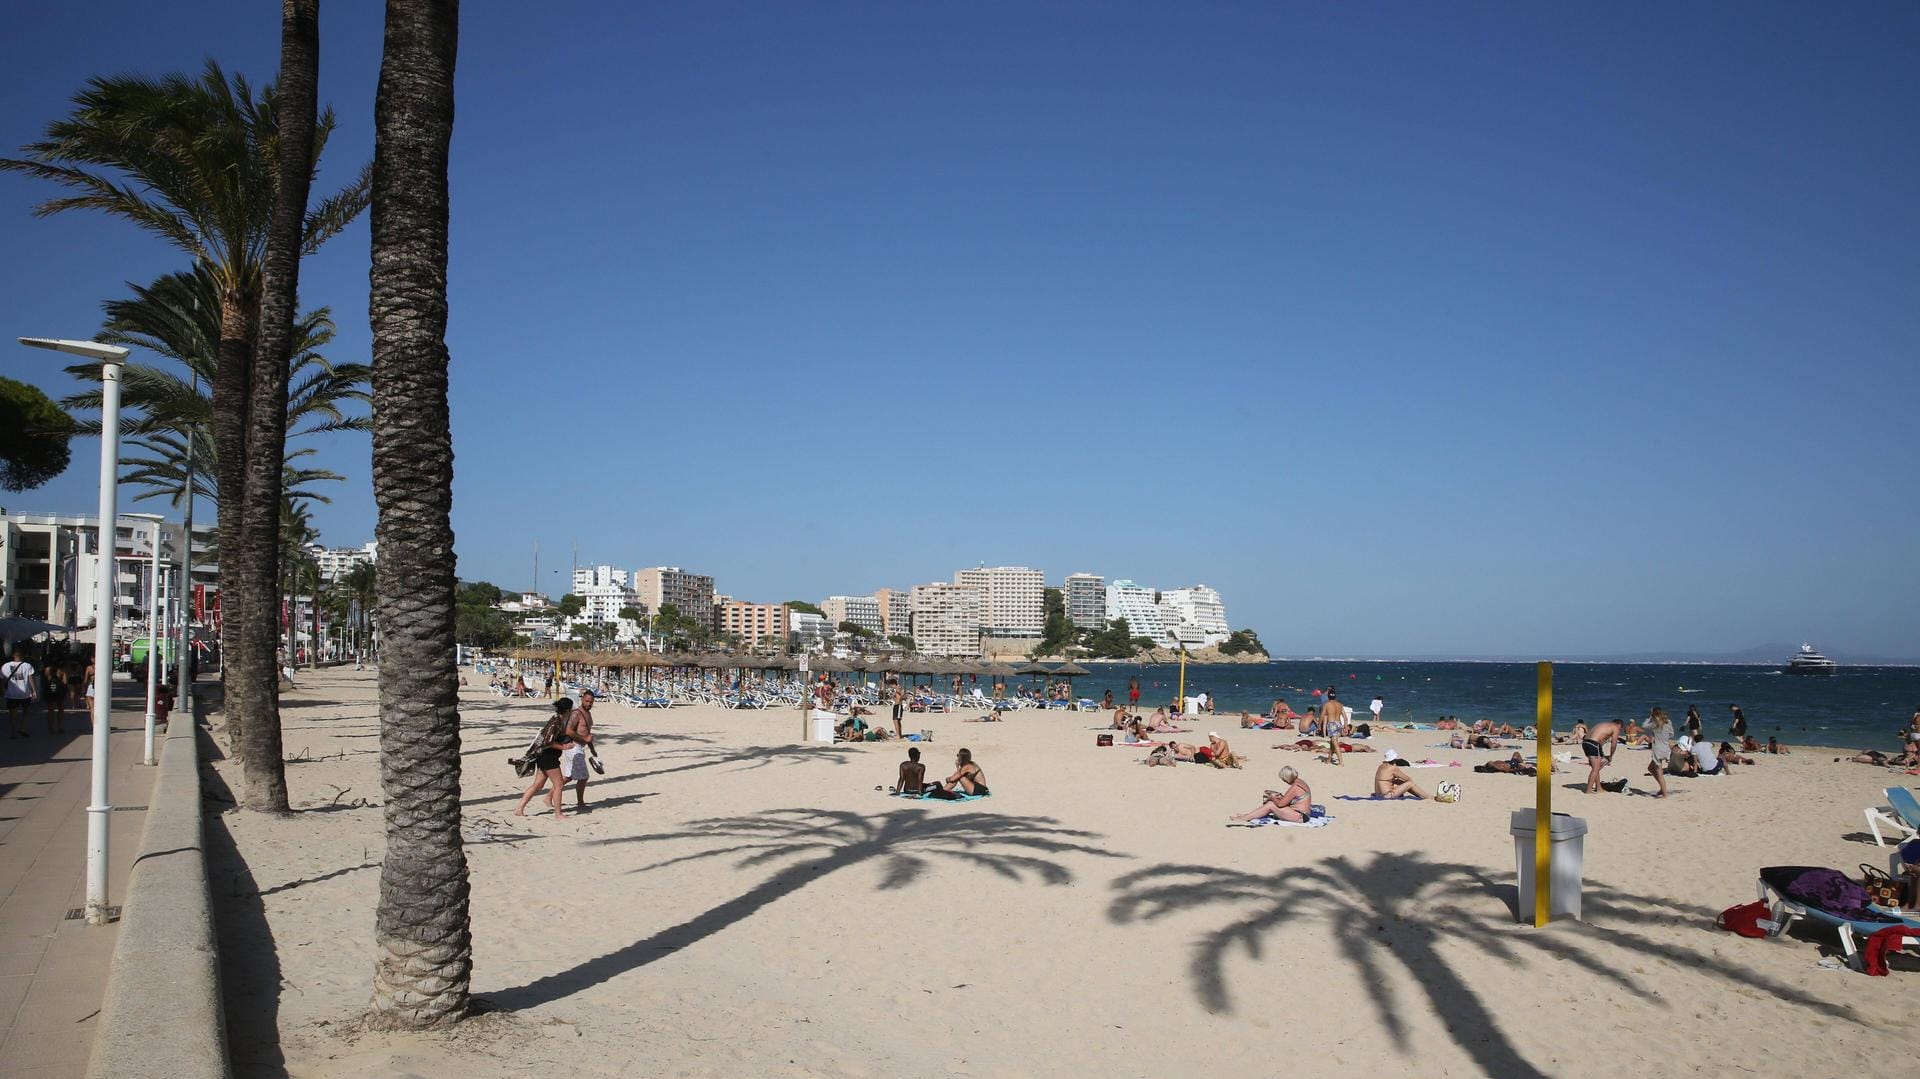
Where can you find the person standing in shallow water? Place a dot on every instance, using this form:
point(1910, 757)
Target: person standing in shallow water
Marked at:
point(1739, 728)
point(1133, 693)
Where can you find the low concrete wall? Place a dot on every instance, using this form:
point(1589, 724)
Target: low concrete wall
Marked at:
point(162, 1017)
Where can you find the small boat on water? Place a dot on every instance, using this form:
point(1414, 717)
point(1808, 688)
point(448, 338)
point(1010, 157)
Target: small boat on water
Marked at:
point(1809, 661)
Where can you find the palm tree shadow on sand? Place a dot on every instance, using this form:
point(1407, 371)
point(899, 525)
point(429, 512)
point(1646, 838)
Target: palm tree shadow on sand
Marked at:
point(814, 843)
point(1396, 912)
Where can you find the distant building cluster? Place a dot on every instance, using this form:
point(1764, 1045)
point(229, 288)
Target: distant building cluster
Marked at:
point(942, 618)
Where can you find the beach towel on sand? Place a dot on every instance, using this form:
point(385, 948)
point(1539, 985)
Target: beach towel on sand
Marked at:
point(1264, 822)
point(924, 798)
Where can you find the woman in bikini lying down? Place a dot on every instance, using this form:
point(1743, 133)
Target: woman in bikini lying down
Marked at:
point(1294, 804)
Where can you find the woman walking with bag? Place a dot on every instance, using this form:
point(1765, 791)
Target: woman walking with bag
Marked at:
point(546, 760)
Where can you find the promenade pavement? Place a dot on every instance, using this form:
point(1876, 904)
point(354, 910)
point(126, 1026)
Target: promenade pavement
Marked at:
point(53, 971)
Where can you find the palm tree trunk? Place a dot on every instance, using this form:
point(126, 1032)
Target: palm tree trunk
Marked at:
point(422, 935)
point(298, 105)
point(232, 379)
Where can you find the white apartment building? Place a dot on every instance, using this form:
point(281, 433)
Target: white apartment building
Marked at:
point(1013, 599)
point(1195, 616)
point(601, 603)
point(1135, 605)
point(896, 612)
point(947, 619)
point(50, 566)
point(862, 611)
point(1085, 595)
point(598, 577)
point(809, 627)
point(690, 593)
point(337, 562)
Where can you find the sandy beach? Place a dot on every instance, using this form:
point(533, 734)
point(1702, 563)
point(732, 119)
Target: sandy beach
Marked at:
point(738, 903)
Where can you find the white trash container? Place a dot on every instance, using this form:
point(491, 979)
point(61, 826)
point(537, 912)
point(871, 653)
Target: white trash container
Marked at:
point(823, 722)
point(1565, 859)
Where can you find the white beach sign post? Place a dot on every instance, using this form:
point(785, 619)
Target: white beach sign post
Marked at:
point(806, 700)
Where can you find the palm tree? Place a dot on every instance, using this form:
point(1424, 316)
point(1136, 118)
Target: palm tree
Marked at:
point(361, 582)
point(423, 939)
point(177, 317)
point(197, 162)
point(252, 676)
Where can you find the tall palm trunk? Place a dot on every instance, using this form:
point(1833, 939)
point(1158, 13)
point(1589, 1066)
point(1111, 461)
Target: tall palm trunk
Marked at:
point(257, 692)
point(422, 937)
point(232, 386)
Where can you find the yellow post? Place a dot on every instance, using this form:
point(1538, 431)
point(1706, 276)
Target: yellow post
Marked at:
point(1543, 796)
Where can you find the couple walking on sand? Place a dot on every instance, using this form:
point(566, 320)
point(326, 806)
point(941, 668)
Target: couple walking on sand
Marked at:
point(562, 752)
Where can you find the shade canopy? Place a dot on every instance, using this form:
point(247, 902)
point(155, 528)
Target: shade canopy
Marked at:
point(1070, 670)
point(1034, 668)
point(15, 629)
point(998, 670)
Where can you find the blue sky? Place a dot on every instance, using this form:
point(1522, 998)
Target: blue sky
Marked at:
point(1411, 328)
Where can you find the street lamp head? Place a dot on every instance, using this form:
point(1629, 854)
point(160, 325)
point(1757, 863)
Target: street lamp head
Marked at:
point(92, 350)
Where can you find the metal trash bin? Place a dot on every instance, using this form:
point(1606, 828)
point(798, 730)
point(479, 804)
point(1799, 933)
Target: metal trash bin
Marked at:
point(1565, 860)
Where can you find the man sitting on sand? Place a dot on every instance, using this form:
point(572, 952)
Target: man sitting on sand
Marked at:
point(1294, 803)
point(1390, 781)
point(1706, 761)
point(913, 775)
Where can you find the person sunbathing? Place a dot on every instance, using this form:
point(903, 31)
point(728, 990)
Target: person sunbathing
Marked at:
point(1446, 723)
point(1729, 756)
point(1293, 803)
point(1162, 722)
point(1750, 745)
point(1774, 746)
point(1219, 754)
point(1482, 726)
point(1514, 765)
point(967, 778)
point(1391, 781)
point(1120, 719)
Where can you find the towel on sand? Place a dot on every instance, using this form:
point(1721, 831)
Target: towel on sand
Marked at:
point(1317, 822)
point(924, 798)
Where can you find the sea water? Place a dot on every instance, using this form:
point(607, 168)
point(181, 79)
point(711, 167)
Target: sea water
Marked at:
point(1858, 707)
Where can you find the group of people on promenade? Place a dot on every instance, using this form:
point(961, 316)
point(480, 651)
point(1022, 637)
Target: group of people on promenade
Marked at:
point(562, 753)
point(53, 683)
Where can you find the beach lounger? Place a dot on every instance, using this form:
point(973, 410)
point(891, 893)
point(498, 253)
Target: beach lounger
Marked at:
point(1783, 911)
point(1901, 814)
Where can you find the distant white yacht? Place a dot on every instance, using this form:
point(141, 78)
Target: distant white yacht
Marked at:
point(1810, 662)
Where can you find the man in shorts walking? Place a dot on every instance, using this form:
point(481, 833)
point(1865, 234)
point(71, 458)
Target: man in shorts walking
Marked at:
point(573, 759)
point(22, 686)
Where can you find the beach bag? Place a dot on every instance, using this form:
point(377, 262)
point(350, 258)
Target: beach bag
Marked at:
point(1103, 739)
point(1882, 889)
point(1448, 791)
point(1744, 919)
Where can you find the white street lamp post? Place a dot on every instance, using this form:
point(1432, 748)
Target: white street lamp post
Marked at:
point(110, 358)
point(153, 627)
